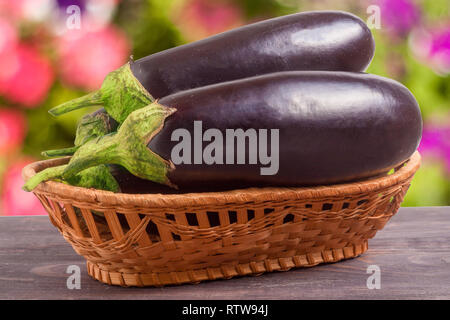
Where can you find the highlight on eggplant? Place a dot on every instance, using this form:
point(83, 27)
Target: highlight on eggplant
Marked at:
point(321, 40)
point(333, 127)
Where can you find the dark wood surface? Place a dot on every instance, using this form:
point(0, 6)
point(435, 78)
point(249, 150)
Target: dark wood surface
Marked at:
point(412, 252)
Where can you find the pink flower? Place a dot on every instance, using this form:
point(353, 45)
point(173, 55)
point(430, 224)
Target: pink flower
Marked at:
point(433, 48)
point(202, 18)
point(436, 143)
point(8, 43)
point(14, 9)
point(15, 200)
point(12, 129)
point(28, 76)
point(440, 51)
point(8, 34)
point(87, 57)
point(399, 16)
point(35, 10)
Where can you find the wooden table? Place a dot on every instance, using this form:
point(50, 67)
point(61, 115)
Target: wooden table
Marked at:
point(412, 252)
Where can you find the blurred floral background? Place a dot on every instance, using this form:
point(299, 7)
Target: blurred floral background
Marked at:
point(43, 62)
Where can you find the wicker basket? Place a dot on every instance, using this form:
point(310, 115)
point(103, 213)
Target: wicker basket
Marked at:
point(155, 239)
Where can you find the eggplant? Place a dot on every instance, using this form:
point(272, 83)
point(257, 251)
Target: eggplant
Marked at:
point(322, 40)
point(303, 41)
point(332, 127)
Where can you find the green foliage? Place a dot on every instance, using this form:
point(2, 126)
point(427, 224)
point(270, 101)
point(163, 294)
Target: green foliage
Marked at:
point(429, 187)
point(257, 8)
point(45, 130)
point(378, 65)
point(430, 90)
point(435, 9)
point(148, 25)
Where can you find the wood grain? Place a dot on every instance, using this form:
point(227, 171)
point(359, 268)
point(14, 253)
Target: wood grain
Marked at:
point(413, 253)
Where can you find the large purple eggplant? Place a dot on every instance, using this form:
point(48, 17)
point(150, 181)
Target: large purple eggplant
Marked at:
point(322, 40)
point(295, 129)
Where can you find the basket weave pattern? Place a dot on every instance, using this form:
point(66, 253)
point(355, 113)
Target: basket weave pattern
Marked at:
point(154, 240)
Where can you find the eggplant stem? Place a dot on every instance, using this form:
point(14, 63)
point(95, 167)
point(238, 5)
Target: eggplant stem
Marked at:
point(98, 177)
point(60, 152)
point(121, 94)
point(128, 147)
point(91, 99)
point(44, 175)
point(93, 153)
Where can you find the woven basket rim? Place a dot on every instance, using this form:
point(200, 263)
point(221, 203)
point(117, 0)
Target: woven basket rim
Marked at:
point(238, 196)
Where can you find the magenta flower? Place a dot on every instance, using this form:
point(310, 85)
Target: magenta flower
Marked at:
point(12, 130)
point(87, 57)
point(433, 48)
point(439, 54)
point(28, 76)
point(399, 16)
point(436, 143)
point(15, 200)
point(64, 4)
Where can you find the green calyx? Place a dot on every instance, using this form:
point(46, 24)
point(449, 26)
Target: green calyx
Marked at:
point(126, 147)
point(121, 94)
point(98, 177)
point(91, 126)
point(94, 125)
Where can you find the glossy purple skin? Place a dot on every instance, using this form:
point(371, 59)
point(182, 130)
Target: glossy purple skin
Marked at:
point(333, 126)
point(322, 40)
